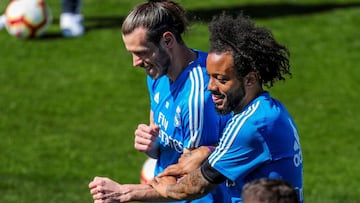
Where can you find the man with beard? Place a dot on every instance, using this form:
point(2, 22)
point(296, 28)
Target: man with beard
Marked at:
point(261, 138)
point(182, 114)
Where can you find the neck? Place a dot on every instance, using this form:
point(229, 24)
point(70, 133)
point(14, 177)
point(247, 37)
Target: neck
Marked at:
point(247, 100)
point(181, 57)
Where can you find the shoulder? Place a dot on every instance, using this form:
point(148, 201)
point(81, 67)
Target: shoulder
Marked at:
point(201, 58)
point(252, 117)
point(262, 115)
point(263, 106)
point(153, 83)
point(270, 109)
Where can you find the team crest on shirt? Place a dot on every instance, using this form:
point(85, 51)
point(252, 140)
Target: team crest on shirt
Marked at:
point(177, 119)
point(157, 97)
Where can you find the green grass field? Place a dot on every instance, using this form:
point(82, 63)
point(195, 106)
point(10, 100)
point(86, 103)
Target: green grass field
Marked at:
point(69, 107)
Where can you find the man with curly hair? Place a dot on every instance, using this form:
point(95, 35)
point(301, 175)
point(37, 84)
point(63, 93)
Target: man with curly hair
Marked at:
point(261, 139)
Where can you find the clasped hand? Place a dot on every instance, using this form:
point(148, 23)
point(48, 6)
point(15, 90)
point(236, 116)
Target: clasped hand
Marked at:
point(105, 190)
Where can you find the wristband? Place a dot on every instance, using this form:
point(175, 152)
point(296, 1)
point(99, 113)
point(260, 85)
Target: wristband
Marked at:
point(211, 148)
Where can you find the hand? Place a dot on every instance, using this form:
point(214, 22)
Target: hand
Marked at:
point(189, 161)
point(105, 190)
point(160, 184)
point(145, 138)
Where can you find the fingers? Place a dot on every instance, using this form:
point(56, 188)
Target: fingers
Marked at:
point(97, 190)
point(155, 127)
point(145, 136)
point(97, 181)
point(98, 196)
point(142, 144)
point(161, 184)
point(94, 191)
point(96, 186)
point(172, 170)
point(147, 132)
point(186, 150)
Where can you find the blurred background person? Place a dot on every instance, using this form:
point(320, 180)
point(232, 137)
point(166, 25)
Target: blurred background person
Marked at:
point(71, 19)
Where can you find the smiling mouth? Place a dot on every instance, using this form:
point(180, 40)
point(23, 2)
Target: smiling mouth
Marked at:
point(217, 98)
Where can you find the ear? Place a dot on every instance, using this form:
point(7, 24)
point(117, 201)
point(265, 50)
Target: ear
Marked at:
point(251, 78)
point(168, 39)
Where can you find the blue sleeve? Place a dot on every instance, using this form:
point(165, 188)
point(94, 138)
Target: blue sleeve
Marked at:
point(241, 149)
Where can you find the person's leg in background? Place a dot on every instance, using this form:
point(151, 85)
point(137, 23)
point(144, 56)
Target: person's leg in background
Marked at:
point(71, 19)
point(2, 21)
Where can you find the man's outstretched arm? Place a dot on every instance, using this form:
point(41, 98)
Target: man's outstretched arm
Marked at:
point(105, 190)
point(191, 186)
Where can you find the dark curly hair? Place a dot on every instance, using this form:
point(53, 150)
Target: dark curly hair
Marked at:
point(253, 48)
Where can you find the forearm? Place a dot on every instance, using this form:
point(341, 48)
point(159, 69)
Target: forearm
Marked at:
point(131, 192)
point(205, 151)
point(144, 193)
point(192, 186)
point(189, 161)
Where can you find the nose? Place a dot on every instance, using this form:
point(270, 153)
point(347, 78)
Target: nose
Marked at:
point(211, 86)
point(137, 61)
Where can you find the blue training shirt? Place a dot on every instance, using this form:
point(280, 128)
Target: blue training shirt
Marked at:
point(261, 141)
point(185, 113)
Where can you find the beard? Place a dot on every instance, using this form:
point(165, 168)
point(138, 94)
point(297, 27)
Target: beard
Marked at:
point(164, 63)
point(232, 100)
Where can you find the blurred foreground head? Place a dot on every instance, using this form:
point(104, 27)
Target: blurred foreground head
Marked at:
point(267, 190)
